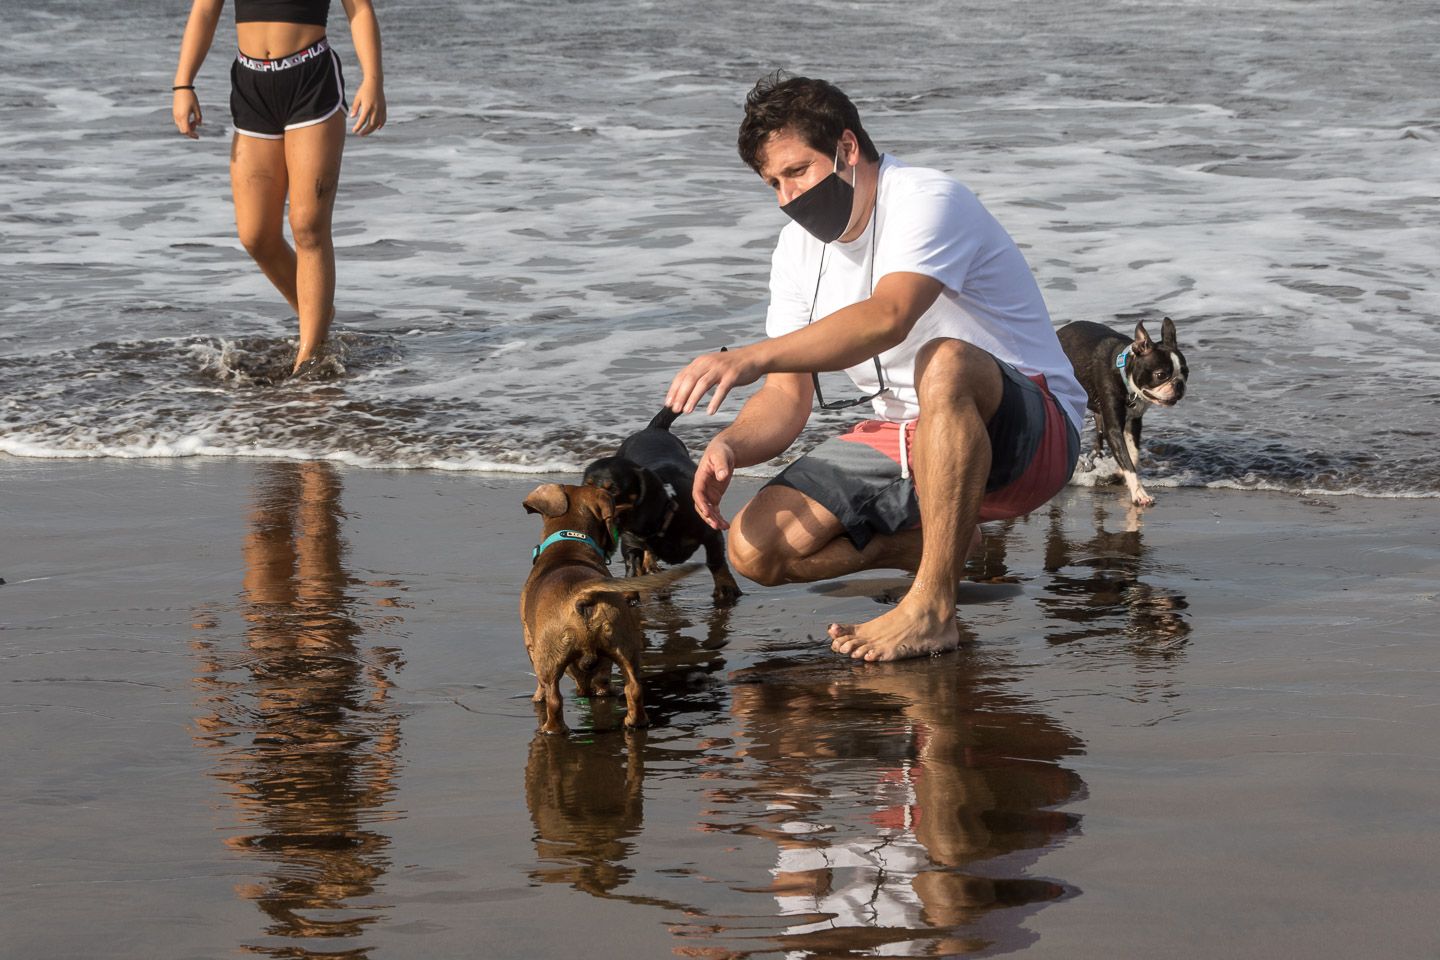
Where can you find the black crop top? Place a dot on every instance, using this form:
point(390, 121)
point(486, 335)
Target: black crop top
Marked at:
point(282, 11)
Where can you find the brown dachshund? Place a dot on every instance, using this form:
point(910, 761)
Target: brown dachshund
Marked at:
point(577, 618)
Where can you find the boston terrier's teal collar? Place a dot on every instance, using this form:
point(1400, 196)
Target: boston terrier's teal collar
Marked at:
point(1133, 395)
point(573, 536)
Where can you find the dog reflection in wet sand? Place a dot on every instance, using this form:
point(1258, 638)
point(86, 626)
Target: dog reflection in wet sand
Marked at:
point(586, 802)
point(578, 618)
point(1099, 590)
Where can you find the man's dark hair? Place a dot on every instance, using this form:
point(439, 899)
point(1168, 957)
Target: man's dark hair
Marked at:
point(815, 109)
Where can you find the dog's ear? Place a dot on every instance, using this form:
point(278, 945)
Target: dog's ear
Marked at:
point(598, 501)
point(1143, 344)
point(1167, 334)
point(598, 474)
point(549, 500)
point(605, 508)
point(611, 475)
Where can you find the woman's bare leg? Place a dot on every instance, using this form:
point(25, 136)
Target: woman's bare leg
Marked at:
point(259, 182)
point(312, 159)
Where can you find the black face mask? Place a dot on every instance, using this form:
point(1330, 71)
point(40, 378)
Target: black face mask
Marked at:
point(824, 210)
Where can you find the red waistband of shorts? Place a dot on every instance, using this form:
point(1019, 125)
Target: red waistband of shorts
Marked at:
point(884, 435)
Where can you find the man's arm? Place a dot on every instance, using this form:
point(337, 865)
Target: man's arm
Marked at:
point(770, 420)
point(766, 426)
point(846, 337)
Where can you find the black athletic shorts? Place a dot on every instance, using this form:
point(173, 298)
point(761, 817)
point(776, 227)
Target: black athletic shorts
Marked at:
point(268, 97)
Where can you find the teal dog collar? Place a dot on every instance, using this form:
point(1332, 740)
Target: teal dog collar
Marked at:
point(573, 536)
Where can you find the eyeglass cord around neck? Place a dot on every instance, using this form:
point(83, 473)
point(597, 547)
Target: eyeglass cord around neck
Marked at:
point(870, 288)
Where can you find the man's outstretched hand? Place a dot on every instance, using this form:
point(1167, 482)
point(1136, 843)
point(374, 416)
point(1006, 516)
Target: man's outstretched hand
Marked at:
point(722, 372)
point(712, 478)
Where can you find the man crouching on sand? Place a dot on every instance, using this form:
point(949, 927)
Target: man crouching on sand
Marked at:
point(898, 276)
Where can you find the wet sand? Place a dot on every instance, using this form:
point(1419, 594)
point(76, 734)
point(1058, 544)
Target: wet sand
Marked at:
point(282, 709)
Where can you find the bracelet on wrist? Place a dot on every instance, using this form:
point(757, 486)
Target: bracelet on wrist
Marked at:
point(183, 86)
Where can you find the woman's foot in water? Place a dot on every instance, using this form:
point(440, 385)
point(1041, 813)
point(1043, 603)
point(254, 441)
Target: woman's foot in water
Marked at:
point(307, 369)
point(310, 362)
point(308, 355)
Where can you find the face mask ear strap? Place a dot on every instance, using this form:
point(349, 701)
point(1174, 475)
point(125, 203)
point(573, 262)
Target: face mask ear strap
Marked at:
point(839, 147)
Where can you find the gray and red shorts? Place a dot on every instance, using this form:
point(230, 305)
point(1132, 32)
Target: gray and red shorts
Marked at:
point(862, 477)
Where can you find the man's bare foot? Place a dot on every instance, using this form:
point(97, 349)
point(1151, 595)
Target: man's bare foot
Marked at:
point(896, 635)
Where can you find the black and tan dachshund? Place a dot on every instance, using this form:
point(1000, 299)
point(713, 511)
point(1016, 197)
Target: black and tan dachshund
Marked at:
point(652, 473)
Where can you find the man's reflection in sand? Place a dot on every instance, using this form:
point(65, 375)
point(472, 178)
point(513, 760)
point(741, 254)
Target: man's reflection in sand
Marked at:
point(1097, 591)
point(305, 733)
point(908, 801)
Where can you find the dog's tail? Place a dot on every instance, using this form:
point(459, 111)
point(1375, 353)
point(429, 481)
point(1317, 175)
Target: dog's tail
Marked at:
point(617, 591)
point(663, 419)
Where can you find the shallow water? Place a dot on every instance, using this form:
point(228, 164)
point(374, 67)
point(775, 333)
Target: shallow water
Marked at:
point(555, 220)
point(283, 709)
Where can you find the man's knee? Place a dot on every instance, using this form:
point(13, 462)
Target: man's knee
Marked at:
point(953, 373)
point(771, 539)
point(752, 554)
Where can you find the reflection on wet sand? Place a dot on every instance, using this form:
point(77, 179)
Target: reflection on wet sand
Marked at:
point(683, 669)
point(1097, 592)
point(907, 806)
point(584, 792)
point(585, 800)
point(305, 735)
point(906, 802)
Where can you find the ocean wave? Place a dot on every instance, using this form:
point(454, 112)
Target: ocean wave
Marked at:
point(1229, 473)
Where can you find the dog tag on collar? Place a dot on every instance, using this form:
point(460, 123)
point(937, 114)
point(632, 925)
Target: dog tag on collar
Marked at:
point(1122, 358)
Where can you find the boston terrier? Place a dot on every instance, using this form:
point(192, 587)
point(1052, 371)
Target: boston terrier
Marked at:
point(1122, 377)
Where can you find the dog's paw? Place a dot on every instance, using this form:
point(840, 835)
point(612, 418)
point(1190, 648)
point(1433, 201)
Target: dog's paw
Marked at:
point(726, 592)
point(1138, 496)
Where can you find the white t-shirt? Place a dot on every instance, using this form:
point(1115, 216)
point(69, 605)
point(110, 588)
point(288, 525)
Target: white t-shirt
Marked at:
point(926, 223)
